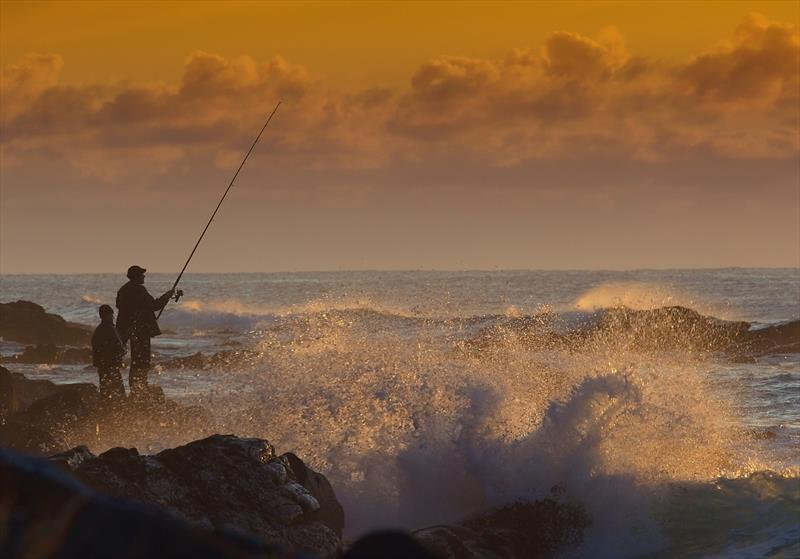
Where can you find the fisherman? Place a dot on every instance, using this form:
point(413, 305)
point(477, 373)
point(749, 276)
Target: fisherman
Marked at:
point(137, 321)
point(107, 353)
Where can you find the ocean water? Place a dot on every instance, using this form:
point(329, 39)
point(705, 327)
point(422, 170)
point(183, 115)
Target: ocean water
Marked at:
point(388, 384)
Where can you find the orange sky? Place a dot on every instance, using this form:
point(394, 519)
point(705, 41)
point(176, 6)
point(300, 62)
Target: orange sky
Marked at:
point(412, 135)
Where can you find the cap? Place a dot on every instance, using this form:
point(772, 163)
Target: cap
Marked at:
point(134, 271)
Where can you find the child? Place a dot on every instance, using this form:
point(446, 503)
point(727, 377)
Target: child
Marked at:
point(107, 353)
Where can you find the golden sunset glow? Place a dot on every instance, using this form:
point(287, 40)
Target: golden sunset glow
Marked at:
point(443, 135)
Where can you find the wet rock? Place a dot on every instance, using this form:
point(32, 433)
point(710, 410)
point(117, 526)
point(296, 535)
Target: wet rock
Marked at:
point(28, 323)
point(669, 328)
point(68, 416)
point(18, 392)
point(662, 329)
point(227, 359)
point(52, 355)
point(222, 481)
point(8, 396)
point(331, 512)
point(41, 417)
point(523, 530)
point(50, 511)
point(779, 338)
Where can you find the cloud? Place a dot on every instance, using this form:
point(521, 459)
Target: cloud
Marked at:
point(22, 83)
point(759, 65)
point(575, 97)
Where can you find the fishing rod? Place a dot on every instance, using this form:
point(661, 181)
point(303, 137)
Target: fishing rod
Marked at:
point(236, 174)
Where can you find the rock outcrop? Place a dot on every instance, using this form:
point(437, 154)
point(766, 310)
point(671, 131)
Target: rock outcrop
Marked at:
point(48, 513)
point(28, 323)
point(41, 417)
point(661, 329)
point(223, 482)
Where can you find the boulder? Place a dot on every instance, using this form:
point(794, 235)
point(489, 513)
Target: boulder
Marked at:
point(28, 323)
point(223, 481)
point(522, 530)
point(48, 513)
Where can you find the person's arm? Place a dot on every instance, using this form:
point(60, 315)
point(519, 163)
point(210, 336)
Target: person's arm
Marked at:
point(162, 301)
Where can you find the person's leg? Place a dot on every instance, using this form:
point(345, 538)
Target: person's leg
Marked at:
point(140, 363)
point(103, 385)
point(116, 389)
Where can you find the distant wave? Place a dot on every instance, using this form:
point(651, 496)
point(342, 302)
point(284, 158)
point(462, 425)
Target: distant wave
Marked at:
point(647, 296)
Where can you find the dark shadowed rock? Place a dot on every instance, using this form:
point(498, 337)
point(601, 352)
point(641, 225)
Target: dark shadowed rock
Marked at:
point(779, 338)
point(388, 545)
point(223, 481)
point(18, 392)
point(8, 396)
point(28, 323)
point(41, 417)
point(523, 530)
point(68, 416)
point(47, 513)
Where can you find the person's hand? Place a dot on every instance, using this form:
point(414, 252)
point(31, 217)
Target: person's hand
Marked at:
point(170, 293)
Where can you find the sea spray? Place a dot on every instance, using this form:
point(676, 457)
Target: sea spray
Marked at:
point(413, 430)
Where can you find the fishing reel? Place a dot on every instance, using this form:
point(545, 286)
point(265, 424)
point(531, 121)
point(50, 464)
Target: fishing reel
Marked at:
point(178, 295)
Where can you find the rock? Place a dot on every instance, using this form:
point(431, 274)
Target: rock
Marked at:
point(8, 396)
point(28, 323)
point(69, 416)
point(50, 514)
point(228, 359)
point(331, 512)
point(523, 530)
point(41, 417)
point(223, 481)
point(779, 338)
point(53, 355)
point(669, 328)
point(388, 545)
point(18, 392)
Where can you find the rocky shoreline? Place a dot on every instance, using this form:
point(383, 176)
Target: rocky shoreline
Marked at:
point(218, 496)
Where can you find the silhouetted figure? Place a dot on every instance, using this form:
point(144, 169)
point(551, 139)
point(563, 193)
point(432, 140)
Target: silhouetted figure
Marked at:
point(107, 353)
point(137, 322)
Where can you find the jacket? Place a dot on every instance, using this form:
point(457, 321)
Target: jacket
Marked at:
point(137, 310)
point(107, 347)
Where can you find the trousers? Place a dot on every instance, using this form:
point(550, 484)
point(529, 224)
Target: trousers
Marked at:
point(140, 362)
point(111, 386)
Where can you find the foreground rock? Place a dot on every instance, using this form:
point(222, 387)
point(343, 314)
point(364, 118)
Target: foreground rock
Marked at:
point(28, 323)
point(525, 530)
point(49, 514)
point(223, 481)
